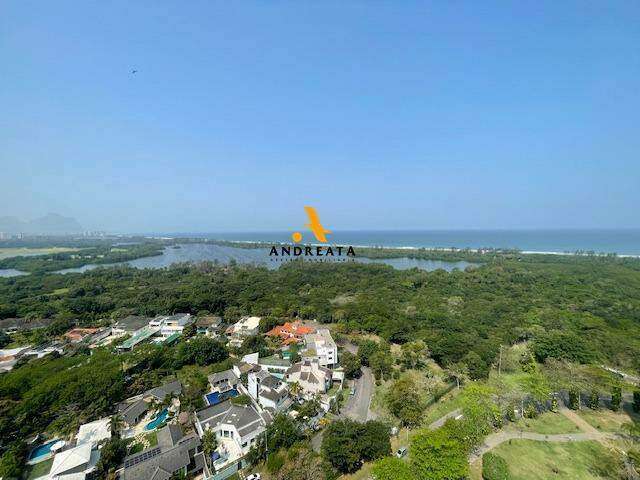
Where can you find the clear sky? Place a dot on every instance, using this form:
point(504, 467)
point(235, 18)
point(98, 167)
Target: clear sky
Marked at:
point(381, 114)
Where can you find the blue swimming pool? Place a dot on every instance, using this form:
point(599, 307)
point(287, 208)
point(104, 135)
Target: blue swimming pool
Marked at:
point(153, 424)
point(41, 450)
point(215, 398)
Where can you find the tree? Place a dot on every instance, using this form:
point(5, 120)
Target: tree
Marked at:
point(381, 363)
point(201, 351)
point(459, 372)
point(351, 365)
point(373, 440)
point(209, 443)
point(562, 345)
point(494, 467)
point(111, 455)
point(405, 402)
point(435, 455)
point(414, 354)
point(339, 446)
point(636, 401)
point(391, 468)
point(594, 400)
point(346, 444)
point(282, 432)
point(4, 339)
point(366, 349)
point(476, 366)
point(190, 330)
point(12, 461)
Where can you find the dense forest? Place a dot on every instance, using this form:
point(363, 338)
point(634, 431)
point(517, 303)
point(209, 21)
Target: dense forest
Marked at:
point(588, 309)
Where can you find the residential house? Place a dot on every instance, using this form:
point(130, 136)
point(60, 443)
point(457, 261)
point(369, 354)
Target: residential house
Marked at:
point(223, 381)
point(129, 325)
point(275, 365)
point(321, 347)
point(132, 410)
point(237, 427)
point(245, 327)
point(76, 335)
point(312, 377)
point(209, 325)
point(267, 390)
point(94, 432)
point(75, 463)
point(172, 324)
point(175, 454)
point(13, 325)
point(290, 332)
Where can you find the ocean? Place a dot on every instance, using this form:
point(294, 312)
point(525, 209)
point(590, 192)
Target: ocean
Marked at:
point(621, 242)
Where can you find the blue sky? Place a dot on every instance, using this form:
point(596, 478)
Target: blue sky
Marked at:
point(382, 115)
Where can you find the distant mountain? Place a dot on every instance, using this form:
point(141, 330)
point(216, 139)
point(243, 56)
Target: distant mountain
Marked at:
point(50, 224)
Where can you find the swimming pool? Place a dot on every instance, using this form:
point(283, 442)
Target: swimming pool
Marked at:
point(153, 424)
point(215, 398)
point(41, 451)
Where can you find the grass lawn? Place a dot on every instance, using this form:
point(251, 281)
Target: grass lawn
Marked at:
point(606, 420)
point(548, 423)
point(532, 460)
point(39, 469)
point(445, 405)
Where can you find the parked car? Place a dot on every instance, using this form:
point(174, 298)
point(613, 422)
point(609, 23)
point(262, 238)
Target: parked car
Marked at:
point(254, 476)
point(402, 451)
point(353, 391)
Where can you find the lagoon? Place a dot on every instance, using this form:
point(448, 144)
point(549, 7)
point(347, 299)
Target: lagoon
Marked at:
point(201, 252)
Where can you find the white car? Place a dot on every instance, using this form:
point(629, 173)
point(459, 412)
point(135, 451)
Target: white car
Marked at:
point(253, 476)
point(402, 451)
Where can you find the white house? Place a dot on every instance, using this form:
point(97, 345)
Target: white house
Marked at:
point(321, 347)
point(311, 377)
point(171, 324)
point(245, 327)
point(267, 390)
point(237, 427)
point(75, 463)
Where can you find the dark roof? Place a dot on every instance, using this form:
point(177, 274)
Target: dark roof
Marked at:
point(131, 410)
point(159, 463)
point(209, 321)
point(24, 323)
point(227, 376)
point(132, 323)
point(171, 388)
point(169, 436)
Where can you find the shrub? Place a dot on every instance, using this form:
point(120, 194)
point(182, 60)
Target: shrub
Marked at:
point(494, 467)
point(636, 401)
point(574, 399)
point(616, 398)
point(274, 462)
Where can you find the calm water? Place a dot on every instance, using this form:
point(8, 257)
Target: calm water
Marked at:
point(10, 272)
point(258, 256)
point(622, 242)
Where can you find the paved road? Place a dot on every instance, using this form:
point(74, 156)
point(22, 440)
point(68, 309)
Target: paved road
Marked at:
point(356, 407)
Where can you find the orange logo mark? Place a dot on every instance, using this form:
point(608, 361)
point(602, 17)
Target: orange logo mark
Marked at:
point(314, 225)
